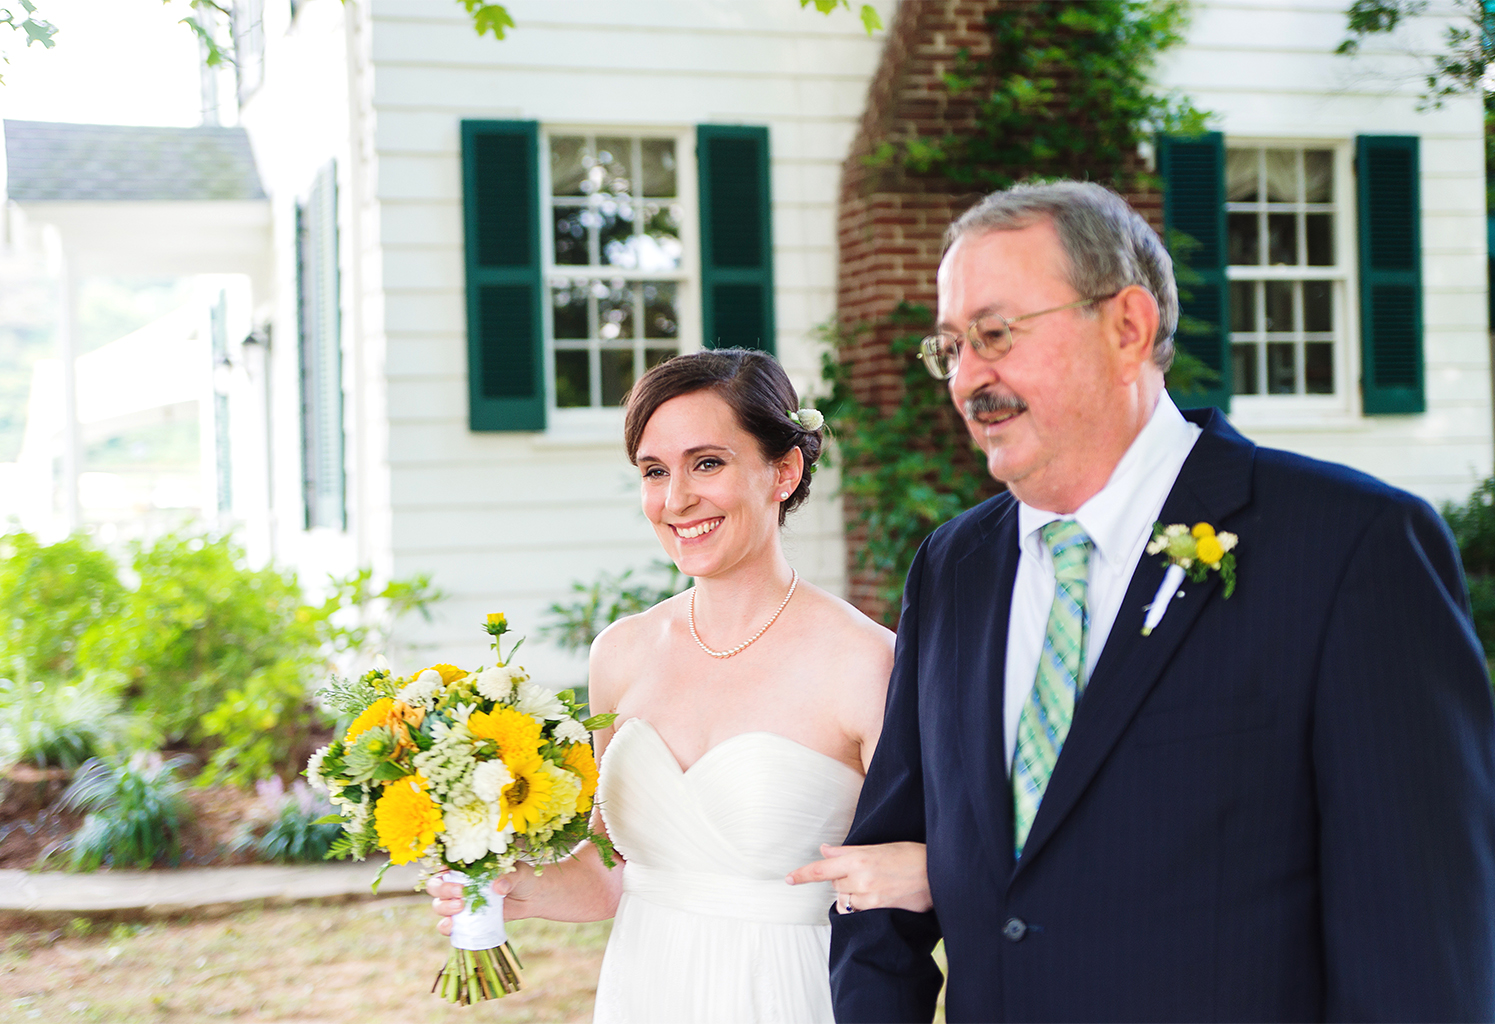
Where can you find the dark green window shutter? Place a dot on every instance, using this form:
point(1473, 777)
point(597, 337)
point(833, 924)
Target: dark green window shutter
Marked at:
point(1193, 172)
point(1390, 275)
point(322, 450)
point(505, 329)
point(736, 237)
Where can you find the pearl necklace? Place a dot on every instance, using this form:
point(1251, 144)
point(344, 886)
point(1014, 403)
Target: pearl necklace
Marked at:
point(793, 582)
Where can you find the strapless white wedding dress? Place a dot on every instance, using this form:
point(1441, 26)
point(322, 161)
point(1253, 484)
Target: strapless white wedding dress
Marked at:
point(708, 931)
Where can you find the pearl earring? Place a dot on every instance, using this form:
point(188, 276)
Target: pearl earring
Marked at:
point(783, 495)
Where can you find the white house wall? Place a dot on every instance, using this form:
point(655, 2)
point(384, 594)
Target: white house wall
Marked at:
point(1268, 72)
point(508, 521)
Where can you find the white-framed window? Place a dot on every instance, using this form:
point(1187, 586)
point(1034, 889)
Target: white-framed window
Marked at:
point(1289, 210)
point(619, 250)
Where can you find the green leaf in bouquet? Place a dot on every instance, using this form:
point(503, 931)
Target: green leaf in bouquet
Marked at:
point(372, 749)
point(389, 771)
point(599, 721)
point(380, 876)
point(329, 819)
point(605, 849)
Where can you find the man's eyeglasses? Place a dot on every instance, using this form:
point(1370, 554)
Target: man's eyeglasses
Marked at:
point(989, 336)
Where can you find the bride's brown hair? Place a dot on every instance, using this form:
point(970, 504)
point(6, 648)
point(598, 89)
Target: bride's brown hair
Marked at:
point(753, 385)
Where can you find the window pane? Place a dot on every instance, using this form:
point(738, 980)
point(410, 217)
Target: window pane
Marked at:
point(617, 374)
point(614, 156)
point(1282, 176)
point(1243, 368)
point(615, 313)
point(1320, 239)
point(571, 235)
point(660, 317)
point(569, 309)
point(662, 230)
point(1279, 305)
point(1245, 246)
point(615, 228)
point(1242, 305)
point(1240, 175)
point(1318, 306)
point(1282, 239)
point(573, 380)
point(569, 158)
point(1318, 176)
point(659, 168)
point(1281, 374)
point(1318, 368)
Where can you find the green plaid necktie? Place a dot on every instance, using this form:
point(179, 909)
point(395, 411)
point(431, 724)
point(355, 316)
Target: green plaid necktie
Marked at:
point(1045, 719)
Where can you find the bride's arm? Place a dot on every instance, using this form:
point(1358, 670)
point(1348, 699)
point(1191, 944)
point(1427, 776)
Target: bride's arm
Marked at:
point(581, 887)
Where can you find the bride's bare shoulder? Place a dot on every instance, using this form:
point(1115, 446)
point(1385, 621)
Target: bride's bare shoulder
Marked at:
point(622, 648)
point(858, 642)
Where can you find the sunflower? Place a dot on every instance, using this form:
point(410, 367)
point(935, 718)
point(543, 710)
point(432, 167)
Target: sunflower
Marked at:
point(407, 819)
point(448, 673)
point(516, 734)
point(375, 714)
point(578, 758)
point(527, 800)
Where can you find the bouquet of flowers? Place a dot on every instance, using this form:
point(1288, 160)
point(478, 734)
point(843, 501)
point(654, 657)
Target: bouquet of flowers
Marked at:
point(471, 773)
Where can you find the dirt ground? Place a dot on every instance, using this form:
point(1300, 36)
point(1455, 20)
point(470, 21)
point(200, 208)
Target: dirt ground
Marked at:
point(360, 963)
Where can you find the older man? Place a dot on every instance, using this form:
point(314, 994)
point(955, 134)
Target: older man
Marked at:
point(1279, 802)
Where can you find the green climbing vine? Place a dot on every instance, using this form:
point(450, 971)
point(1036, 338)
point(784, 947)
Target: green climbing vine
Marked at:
point(1065, 93)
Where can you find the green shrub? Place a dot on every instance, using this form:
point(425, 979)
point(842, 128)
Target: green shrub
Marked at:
point(1473, 526)
point(294, 834)
point(135, 810)
point(574, 625)
point(50, 595)
point(62, 726)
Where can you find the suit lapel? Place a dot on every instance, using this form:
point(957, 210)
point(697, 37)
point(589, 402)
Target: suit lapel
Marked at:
point(983, 603)
point(1214, 483)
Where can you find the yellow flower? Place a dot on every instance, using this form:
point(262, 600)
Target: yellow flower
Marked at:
point(565, 795)
point(375, 714)
point(1210, 549)
point(1203, 530)
point(407, 819)
point(448, 673)
point(578, 758)
point(497, 619)
point(526, 800)
point(516, 734)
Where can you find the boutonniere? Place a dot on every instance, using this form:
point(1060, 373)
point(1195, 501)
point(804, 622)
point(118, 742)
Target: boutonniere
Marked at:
point(1191, 553)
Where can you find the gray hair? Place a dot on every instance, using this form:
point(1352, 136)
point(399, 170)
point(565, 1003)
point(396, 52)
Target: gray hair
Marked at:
point(1107, 244)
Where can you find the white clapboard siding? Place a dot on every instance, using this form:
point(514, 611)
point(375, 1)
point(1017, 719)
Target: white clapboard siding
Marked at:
point(509, 521)
point(1267, 71)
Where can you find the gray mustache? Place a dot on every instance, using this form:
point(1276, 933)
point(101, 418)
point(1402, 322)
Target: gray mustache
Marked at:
point(989, 401)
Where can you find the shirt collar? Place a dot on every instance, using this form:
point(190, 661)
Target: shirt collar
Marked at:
point(1123, 509)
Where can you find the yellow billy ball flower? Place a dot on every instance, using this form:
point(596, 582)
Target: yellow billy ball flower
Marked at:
point(1210, 550)
point(578, 758)
point(516, 734)
point(407, 820)
point(526, 799)
point(375, 714)
point(1203, 530)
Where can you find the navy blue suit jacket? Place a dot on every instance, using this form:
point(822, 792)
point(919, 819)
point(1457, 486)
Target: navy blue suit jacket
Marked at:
point(1279, 806)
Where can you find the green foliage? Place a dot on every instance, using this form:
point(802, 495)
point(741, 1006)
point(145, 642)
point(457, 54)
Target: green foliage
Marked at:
point(135, 811)
point(899, 491)
point(605, 600)
point(1065, 93)
point(1473, 526)
point(64, 726)
point(21, 16)
point(50, 596)
point(488, 17)
point(871, 21)
point(296, 833)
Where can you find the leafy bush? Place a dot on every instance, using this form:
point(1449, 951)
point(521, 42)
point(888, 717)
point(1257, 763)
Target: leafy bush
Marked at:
point(63, 726)
point(294, 834)
point(135, 810)
point(1473, 526)
point(608, 598)
point(50, 595)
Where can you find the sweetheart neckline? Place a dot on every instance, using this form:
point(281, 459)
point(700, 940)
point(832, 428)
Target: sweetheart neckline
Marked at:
point(717, 746)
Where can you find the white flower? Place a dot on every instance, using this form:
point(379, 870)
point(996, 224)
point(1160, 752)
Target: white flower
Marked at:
point(1176, 530)
point(462, 712)
point(1158, 544)
point(472, 832)
point(314, 770)
point(489, 779)
point(497, 683)
point(422, 692)
point(1227, 540)
point(538, 702)
point(569, 730)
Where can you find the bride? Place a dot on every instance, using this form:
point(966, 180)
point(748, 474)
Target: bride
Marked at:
point(748, 708)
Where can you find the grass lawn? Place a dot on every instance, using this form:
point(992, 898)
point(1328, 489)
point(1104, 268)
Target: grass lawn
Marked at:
point(360, 963)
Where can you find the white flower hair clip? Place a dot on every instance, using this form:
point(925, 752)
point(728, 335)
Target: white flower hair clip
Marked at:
point(809, 419)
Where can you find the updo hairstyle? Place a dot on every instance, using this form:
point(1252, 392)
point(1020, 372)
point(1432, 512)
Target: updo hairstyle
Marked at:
point(753, 385)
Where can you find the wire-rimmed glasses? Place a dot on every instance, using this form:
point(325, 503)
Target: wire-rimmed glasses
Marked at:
point(990, 336)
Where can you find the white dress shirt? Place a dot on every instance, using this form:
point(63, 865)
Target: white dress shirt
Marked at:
point(1119, 520)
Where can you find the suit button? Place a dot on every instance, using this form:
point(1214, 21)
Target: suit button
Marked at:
point(1014, 929)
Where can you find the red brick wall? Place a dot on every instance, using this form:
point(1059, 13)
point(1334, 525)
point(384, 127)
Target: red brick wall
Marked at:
point(891, 224)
